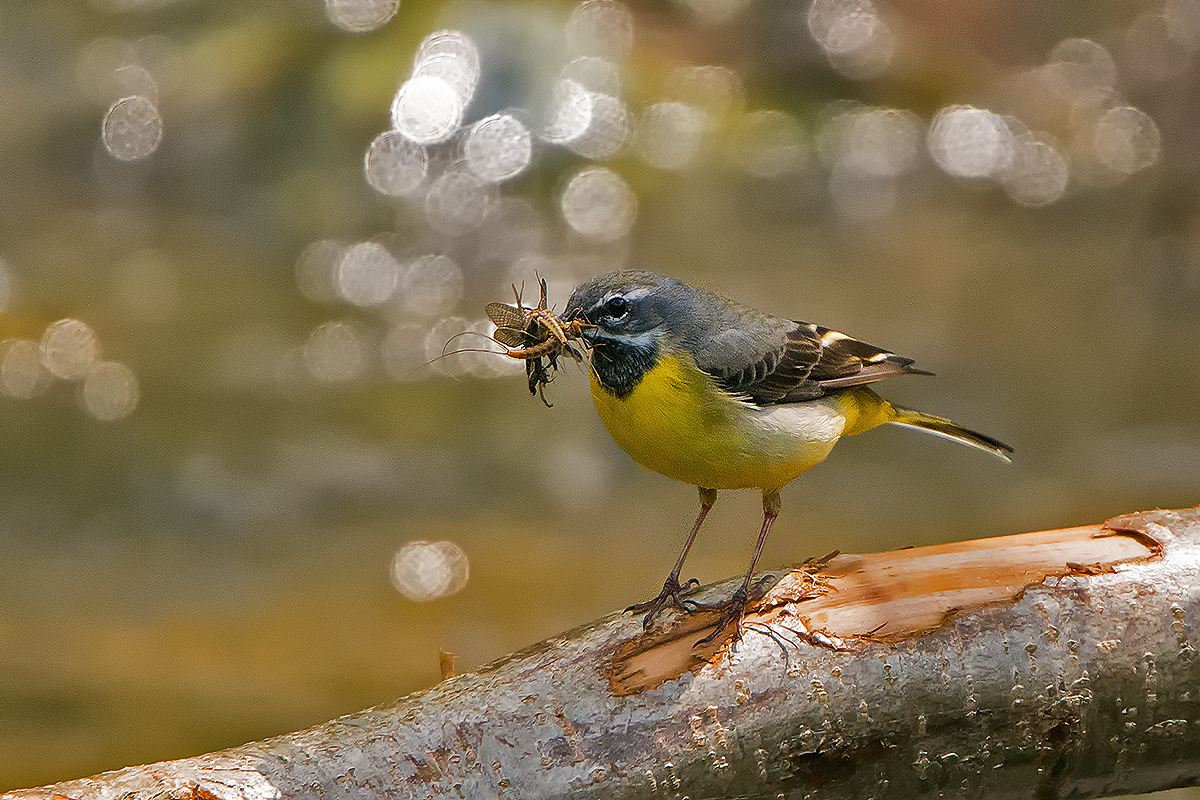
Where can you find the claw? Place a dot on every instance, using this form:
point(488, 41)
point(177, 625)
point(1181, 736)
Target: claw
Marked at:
point(672, 592)
point(732, 610)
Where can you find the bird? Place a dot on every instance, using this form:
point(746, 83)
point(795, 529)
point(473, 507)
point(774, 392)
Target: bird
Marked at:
point(711, 392)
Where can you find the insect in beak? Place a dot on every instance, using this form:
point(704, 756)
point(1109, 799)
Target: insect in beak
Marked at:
point(538, 336)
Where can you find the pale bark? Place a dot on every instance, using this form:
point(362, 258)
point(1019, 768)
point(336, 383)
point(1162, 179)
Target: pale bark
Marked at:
point(1044, 665)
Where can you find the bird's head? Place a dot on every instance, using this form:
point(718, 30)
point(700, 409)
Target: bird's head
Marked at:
point(630, 307)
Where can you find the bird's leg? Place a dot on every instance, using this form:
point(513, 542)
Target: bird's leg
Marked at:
point(733, 609)
point(671, 590)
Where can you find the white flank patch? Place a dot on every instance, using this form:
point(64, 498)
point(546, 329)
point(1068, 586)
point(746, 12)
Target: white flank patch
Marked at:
point(797, 424)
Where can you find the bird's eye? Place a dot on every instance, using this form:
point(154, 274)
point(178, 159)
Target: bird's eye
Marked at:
point(616, 308)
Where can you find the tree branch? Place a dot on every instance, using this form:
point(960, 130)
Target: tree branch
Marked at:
point(1045, 665)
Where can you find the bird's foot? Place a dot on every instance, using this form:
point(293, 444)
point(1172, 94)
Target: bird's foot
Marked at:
point(671, 592)
point(732, 610)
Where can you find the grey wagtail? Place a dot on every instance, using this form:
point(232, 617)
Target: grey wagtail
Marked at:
point(713, 393)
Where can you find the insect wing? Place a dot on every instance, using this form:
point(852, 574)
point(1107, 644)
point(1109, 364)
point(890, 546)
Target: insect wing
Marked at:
point(505, 316)
point(509, 322)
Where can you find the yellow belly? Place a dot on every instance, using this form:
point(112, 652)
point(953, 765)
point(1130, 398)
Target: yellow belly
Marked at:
point(676, 421)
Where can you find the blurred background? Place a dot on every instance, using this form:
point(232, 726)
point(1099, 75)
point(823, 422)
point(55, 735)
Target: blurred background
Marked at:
point(236, 500)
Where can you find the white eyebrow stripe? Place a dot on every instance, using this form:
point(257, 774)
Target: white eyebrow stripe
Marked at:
point(633, 294)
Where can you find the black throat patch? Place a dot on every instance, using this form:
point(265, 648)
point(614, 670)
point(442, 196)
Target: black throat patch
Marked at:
point(619, 366)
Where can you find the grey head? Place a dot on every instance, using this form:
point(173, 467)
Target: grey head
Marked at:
point(630, 303)
point(636, 313)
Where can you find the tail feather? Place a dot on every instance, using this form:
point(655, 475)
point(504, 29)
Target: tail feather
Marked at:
point(940, 426)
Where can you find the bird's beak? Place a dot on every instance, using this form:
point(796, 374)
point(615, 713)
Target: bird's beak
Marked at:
point(573, 315)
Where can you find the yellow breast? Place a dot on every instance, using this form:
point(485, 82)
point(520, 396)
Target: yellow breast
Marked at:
point(678, 422)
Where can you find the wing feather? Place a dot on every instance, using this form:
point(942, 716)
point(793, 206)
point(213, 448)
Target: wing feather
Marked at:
point(811, 361)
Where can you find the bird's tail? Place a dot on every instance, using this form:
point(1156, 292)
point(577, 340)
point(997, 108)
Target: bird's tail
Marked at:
point(911, 418)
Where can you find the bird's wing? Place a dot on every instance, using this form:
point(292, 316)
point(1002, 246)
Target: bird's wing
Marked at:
point(807, 361)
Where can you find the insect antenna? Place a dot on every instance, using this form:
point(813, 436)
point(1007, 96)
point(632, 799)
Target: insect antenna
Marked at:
point(459, 351)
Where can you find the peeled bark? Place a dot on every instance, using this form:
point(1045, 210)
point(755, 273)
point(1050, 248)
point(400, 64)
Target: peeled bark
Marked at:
point(1059, 663)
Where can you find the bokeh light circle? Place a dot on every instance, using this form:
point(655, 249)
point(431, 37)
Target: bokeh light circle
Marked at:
point(427, 110)
point(857, 40)
point(498, 148)
point(334, 353)
point(424, 571)
point(670, 135)
point(395, 165)
point(571, 113)
point(1038, 174)
point(598, 204)
point(601, 28)
point(316, 270)
point(880, 142)
point(367, 275)
point(361, 16)
point(444, 344)
point(109, 392)
point(458, 201)
point(969, 142)
point(69, 349)
point(22, 374)
point(432, 285)
point(132, 128)
point(1126, 140)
